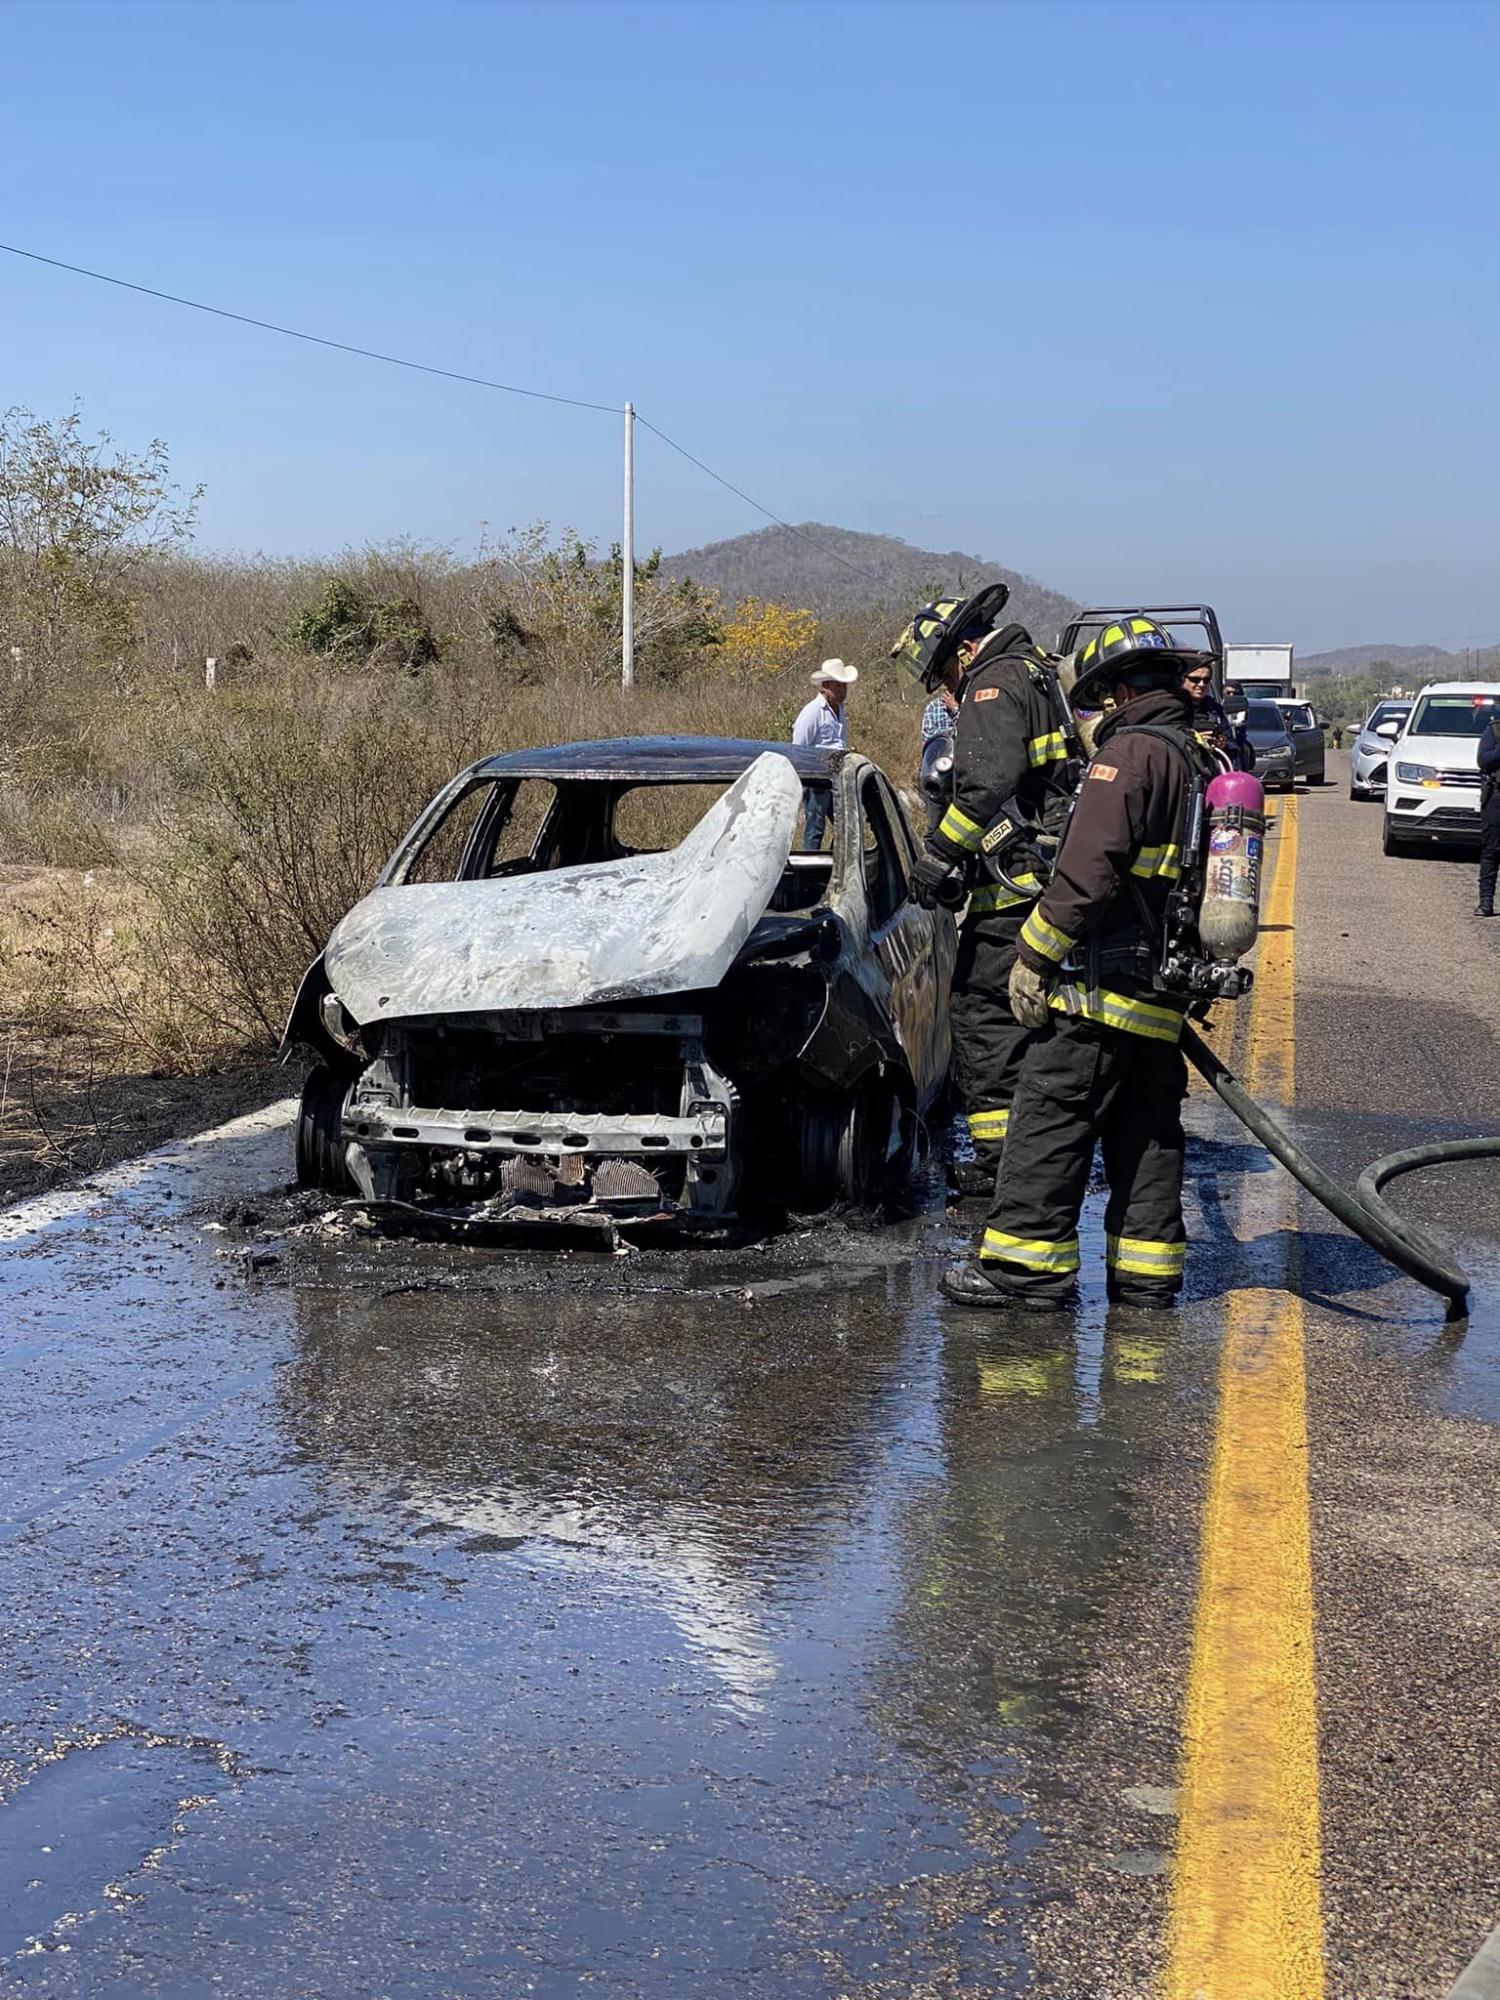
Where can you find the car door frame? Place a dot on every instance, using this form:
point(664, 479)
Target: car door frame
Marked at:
point(914, 948)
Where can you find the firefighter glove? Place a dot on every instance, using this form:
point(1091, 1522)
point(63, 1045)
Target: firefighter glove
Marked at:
point(1028, 995)
point(938, 884)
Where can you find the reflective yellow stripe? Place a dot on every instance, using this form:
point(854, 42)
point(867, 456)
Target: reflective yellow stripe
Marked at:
point(988, 1124)
point(960, 829)
point(1025, 1374)
point(1165, 860)
point(1115, 1010)
point(1030, 1254)
point(995, 895)
point(1136, 1360)
point(1048, 749)
point(1147, 1259)
point(1046, 938)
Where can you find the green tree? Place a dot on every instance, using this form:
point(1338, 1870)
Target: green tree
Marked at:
point(347, 624)
point(79, 519)
point(555, 609)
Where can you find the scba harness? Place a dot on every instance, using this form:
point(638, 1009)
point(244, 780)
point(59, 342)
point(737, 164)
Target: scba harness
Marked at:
point(1166, 952)
point(1017, 843)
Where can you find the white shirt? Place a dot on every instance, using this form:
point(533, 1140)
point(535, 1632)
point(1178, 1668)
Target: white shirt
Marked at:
point(821, 726)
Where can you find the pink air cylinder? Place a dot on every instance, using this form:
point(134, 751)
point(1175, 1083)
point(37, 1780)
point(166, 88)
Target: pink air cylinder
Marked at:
point(1237, 788)
point(1230, 916)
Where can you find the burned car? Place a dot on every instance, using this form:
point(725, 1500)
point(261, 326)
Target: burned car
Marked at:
point(606, 979)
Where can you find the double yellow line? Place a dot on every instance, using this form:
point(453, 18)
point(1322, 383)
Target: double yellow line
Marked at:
point(1246, 1918)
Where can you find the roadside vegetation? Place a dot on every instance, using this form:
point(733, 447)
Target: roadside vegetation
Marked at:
point(177, 840)
point(1346, 699)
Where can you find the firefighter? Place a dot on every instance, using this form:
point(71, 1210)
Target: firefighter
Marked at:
point(1111, 1069)
point(1012, 746)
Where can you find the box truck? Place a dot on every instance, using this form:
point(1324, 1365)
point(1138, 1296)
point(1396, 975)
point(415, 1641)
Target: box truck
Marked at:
point(1264, 672)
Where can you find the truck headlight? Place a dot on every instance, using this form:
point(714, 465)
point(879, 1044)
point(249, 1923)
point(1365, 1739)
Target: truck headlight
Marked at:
point(1417, 774)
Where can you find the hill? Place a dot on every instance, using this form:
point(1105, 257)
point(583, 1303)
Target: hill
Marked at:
point(1431, 662)
point(832, 570)
point(835, 569)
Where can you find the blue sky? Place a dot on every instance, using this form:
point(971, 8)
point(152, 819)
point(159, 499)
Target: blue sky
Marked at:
point(1196, 299)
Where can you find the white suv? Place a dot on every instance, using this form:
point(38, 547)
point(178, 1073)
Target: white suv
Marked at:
point(1432, 784)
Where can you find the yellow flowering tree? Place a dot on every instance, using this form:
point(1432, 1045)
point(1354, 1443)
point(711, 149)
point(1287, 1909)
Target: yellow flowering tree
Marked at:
point(762, 637)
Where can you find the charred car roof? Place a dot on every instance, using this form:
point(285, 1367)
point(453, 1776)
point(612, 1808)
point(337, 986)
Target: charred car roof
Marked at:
point(659, 759)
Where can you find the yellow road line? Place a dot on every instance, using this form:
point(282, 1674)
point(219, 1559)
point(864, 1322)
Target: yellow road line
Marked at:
point(1246, 1918)
point(1268, 1059)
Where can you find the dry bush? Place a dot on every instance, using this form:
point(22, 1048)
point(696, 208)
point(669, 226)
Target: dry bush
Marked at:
point(238, 824)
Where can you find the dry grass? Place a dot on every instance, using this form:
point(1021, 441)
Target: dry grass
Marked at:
point(178, 854)
point(80, 1086)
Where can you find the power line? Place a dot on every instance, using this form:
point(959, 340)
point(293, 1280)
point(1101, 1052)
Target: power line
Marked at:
point(314, 339)
point(858, 568)
point(423, 368)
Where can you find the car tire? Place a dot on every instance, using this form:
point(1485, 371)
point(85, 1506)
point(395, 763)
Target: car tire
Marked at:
point(860, 1172)
point(818, 1131)
point(1391, 843)
point(320, 1136)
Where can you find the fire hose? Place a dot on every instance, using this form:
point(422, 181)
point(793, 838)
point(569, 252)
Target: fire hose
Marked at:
point(1364, 1211)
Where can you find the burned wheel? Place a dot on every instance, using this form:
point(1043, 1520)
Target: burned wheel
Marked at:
point(854, 1149)
point(819, 1135)
point(877, 1148)
point(320, 1135)
point(862, 1149)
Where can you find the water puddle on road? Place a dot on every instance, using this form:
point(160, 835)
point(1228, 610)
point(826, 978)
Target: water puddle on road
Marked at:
point(82, 1833)
point(779, 1590)
point(715, 1624)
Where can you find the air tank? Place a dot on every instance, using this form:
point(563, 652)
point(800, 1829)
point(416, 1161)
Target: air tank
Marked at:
point(1230, 914)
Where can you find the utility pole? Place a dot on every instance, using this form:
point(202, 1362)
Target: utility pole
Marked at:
point(627, 554)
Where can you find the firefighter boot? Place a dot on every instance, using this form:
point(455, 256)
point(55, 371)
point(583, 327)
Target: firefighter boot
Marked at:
point(976, 1284)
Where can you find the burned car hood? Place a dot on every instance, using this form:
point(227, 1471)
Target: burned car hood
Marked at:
point(575, 937)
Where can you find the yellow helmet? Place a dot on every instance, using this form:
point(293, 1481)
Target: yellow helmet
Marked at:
point(1127, 647)
point(929, 642)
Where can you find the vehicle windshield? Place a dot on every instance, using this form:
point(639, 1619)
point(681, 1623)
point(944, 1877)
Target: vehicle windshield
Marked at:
point(1388, 711)
point(512, 826)
point(1453, 714)
point(1265, 717)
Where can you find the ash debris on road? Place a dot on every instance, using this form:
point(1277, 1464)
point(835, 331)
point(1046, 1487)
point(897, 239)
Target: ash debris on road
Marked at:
point(295, 1236)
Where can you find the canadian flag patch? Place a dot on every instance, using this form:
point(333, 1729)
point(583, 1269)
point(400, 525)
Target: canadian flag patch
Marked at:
point(1108, 772)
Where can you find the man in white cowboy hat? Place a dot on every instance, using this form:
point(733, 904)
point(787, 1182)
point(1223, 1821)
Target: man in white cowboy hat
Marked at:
point(823, 725)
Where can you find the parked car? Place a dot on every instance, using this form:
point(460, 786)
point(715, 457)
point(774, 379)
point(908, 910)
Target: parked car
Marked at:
point(1309, 752)
point(1270, 739)
point(604, 981)
point(1432, 792)
point(1371, 749)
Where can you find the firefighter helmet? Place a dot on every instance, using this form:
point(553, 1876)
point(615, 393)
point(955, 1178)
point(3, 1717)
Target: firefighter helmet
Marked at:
point(1129, 648)
point(929, 642)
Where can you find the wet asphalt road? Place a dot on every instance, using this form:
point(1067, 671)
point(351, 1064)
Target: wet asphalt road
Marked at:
point(395, 1621)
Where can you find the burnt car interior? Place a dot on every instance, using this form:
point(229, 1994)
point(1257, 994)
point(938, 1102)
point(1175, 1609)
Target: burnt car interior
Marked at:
point(504, 827)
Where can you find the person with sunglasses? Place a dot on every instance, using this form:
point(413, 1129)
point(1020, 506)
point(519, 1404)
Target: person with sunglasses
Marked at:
point(1212, 725)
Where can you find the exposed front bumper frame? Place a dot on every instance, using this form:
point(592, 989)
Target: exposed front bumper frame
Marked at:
point(382, 1134)
point(702, 1132)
